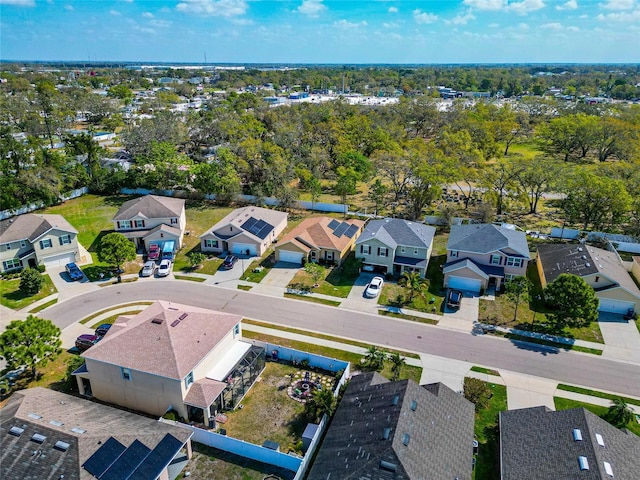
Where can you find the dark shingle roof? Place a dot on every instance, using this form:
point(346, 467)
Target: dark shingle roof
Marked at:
point(151, 206)
point(538, 444)
point(31, 226)
point(93, 423)
point(395, 231)
point(423, 432)
point(487, 238)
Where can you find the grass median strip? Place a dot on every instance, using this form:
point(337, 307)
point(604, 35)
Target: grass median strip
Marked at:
point(547, 343)
point(107, 310)
point(39, 308)
point(246, 288)
point(487, 371)
point(246, 321)
point(190, 278)
point(323, 301)
point(404, 316)
point(566, 404)
point(596, 393)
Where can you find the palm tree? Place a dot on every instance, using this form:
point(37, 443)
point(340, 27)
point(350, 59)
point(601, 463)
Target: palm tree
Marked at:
point(397, 362)
point(374, 358)
point(321, 402)
point(414, 284)
point(619, 413)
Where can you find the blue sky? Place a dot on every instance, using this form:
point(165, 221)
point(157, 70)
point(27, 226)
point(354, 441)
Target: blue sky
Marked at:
point(322, 31)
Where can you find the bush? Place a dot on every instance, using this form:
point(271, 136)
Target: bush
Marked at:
point(31, 281)
point(41, 268)
point(477, 392)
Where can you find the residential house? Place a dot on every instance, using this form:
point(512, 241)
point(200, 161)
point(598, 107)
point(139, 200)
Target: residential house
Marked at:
point(172, 356)
point(319, 239)
point(601, 269)
point(245, 231)
point(48, 434)
point(484, 255)
point(33, 239)
point(397, 430)
point(540, 444)
point(152, 219)
point(395, 246)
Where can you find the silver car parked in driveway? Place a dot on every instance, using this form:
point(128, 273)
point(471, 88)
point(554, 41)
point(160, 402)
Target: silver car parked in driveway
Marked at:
point(148, 269)
point(165, 268)
point(374, 288)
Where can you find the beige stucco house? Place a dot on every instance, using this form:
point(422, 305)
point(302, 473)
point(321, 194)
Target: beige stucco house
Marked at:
point(601, 269)
point(394, 246)
point(152, 219)
point(245, 231)
point(484, 255)
point(32, 239)
point(172, 356)
point(319, 239)
point(635, 268)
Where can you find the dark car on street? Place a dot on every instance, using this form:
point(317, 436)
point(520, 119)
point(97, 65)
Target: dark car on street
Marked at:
point(102, 330)
point(229, 262)
point(454, 298)
point(74, 272)
point(86, 341)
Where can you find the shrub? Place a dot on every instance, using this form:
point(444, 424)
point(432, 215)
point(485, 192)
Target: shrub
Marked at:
point(31, 281)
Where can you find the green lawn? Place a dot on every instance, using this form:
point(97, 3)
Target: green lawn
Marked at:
point(596, 393)
point(259, 268)
point(566, 404)
point(487, 371)
point(337, 281)
point(486, 431)
point(12, 297)
point(532, 316)
point(307, 298)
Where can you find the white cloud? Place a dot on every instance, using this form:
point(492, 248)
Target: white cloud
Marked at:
point(573, 29)
point(242, 21)
point(69, 8)
point(128, 1)
point(147, 15)
point(555, 26)
point(494, 25)
point(423, 17)
point(570, 5)
point(347, 24)
point(18, 3)
point(486, 4)
point(312, 8)
point(115, 13)
point(215, 8)
point(628, 17)
point(159, 23)
point(521, 8)
point(390, 25)
point(618, 5)
point(461, 19)
point(393, 10)
point(523, 26)
point(524, 7)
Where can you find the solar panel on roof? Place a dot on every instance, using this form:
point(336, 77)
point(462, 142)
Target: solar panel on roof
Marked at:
point(103, 458)
point(333, 224)
point(351, 231)
point(158, 459)
point(338, 232)
point(127, 462)
point(249, 223)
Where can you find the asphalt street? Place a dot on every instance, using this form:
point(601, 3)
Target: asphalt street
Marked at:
point(569, 367)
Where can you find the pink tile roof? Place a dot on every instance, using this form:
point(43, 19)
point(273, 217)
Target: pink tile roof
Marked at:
point(315, 232)
point(166, 339)
point(203, 392)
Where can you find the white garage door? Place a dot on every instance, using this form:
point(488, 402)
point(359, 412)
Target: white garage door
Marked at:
point(241, 249)
point(468, 284)
point(291, 257)
point(614, 306)
point(56, 260)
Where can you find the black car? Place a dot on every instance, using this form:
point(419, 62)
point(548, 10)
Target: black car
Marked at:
point(454, 298)
point(229, 262)
point(102, 330)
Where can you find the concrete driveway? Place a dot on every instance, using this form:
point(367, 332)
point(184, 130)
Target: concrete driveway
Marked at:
point(464, 317)
point(275, 282)
point(356, 299)
point(66, 288)
point(621, 338)
point(229, 278)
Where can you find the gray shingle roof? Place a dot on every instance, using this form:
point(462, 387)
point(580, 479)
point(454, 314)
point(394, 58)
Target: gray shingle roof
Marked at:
point(99, 422)
point(538, 444)
point(151, 206)
point(487, 238)
point(395, 231)
point(31, 226)
point(425, 432)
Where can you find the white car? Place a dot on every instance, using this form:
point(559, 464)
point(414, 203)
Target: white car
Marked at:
point(165, 268)
point(148, 269)
point(374, 287)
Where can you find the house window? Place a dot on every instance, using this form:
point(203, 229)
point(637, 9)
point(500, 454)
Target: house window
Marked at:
point(509, 276)
point(495, 259)
point(11, 264)
point(597, 279)
point(64, 239)
point(401, 249)
point(46, 243)
point(514, 262)
point(382, 252)
point(174, 221)
point(124, 224)
point(125, 373)
point(188, 380)
point(365, 249)
point(415, 251)
point(7, 246)
point(211, 243)
point(23, 244)
point(454, 254)
point(236, 330)
point(328, 255)
point(139, 223)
